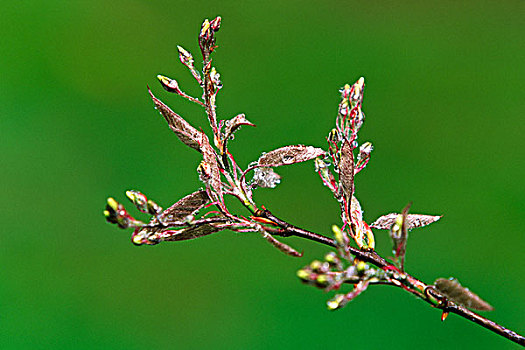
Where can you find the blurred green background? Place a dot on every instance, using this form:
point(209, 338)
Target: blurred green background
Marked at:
point(444, 106)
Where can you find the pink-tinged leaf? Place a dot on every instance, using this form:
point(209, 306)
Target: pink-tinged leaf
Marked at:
point(286, 249)
point(178, 213)
point(184, 131)
point(385, 222)
point(363, 236)
point(346, 170)
point(210, 161)
point(290, 155)
point(453, 290)
point(188, 233)
point(154, 235)
point(232, 125)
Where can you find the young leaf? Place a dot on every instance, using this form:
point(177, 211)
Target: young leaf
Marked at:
point(210, 160)
point(290, 155)
point(191, 232)
point(154, 235)
point(230, 126)
point(362, 234)
point(385, 222)
point(178, 212)
point(184, 131)
point(346, 170)
point(453, 290)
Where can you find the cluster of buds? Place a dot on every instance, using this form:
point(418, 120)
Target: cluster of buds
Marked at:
point(331, 274)
point(350, 116)
point(115, 213)
point(325, 274)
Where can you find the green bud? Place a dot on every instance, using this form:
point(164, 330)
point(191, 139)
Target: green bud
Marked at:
point(112, 203)
point(335, 302)
point(303, 275)
point(140, 200)
point(360, 267)
point(339, 236)
point(331, 258)
point(322, 280)
point(316, 265)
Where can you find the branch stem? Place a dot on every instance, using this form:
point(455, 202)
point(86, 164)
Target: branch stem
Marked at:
point(423, 291)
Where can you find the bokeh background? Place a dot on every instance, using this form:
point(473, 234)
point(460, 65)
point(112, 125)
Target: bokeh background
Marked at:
point(444, 106)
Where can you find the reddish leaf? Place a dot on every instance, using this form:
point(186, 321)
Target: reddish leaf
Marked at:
point(177, 213)
point(346, 170)
point(385, 222)
point(189, 233)
point(230, 126)
point(184, 131)
point(362, 234)
point(210, 160)
point(154, 235)
point(453, 290)
point(290, 155)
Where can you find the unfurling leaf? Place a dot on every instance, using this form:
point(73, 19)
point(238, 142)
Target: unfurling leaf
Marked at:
point(212, 166)
point(184, 131)
point(184, 209)
point(290, 155)
point(265, 178)
point(230, 126)
point(362, 233)
point(453, 290)
point(385, 222)
point(154, 235)
point(286, 249)
point(346, 170)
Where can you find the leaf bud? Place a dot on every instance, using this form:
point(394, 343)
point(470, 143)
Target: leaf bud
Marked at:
point(205, 27)
point(215, 24)
point(323, 280)
point(339, 236)
point(304, 275)
point(345, 91)
point(332, 258)
point(168, 84)
point(139, 199)
point(153, 208)
point(358, 90)
point(113, 204)
point(360, 267)
point(335, 302)
point(318, 266)
point(204, 171)
point(185, 57)
point(215, 78)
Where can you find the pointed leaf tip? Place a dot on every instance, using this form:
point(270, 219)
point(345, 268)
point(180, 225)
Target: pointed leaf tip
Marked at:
point(453, 290)
point(184, 131)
